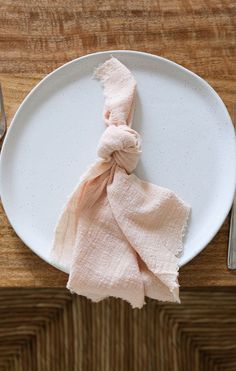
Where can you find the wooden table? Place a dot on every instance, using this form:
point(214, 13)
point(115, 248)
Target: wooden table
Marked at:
point(36, 36)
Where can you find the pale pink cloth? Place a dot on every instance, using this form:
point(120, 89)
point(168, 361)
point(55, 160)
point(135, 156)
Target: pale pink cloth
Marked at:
point(120, 236)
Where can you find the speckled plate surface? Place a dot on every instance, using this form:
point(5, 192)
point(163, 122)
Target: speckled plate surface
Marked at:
point(188, 145)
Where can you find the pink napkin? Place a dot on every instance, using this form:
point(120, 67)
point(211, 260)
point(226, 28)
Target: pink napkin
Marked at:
point(118, 235)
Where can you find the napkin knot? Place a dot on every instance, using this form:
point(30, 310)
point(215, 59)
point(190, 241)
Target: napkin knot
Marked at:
point(122, 145)
point(118, 235)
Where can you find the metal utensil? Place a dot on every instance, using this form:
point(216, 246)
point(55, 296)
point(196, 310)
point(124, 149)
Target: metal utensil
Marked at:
point(232, 229)
point(232, 238)
point(3, 123)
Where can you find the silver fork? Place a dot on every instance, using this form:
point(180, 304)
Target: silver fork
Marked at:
point(3, 122)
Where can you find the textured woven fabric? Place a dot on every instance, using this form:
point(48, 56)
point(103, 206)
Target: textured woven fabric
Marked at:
point(118, 235)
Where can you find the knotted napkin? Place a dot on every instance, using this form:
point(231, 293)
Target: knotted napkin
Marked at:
point(118, 235)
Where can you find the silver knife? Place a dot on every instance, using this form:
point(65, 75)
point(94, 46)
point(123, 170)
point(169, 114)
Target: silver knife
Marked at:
point(232, 228)
point(232, 238)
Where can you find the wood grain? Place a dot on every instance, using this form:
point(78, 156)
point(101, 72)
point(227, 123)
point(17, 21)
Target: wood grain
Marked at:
point(36, 36)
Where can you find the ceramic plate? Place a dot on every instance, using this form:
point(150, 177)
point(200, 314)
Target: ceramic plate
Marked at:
point(188, 145)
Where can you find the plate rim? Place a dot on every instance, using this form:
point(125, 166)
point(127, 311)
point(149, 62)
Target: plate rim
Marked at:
point(111, 52)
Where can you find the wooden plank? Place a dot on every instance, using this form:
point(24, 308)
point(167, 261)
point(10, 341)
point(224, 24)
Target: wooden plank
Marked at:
point(38, 36)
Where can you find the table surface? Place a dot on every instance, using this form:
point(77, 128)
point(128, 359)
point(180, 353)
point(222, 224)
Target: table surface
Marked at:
point(38, 36)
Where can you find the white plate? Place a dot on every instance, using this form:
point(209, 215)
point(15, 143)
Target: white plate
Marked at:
point(188, 145)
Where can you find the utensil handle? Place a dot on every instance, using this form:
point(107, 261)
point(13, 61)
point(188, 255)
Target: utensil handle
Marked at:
point(232, 238)
point(3, 125)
